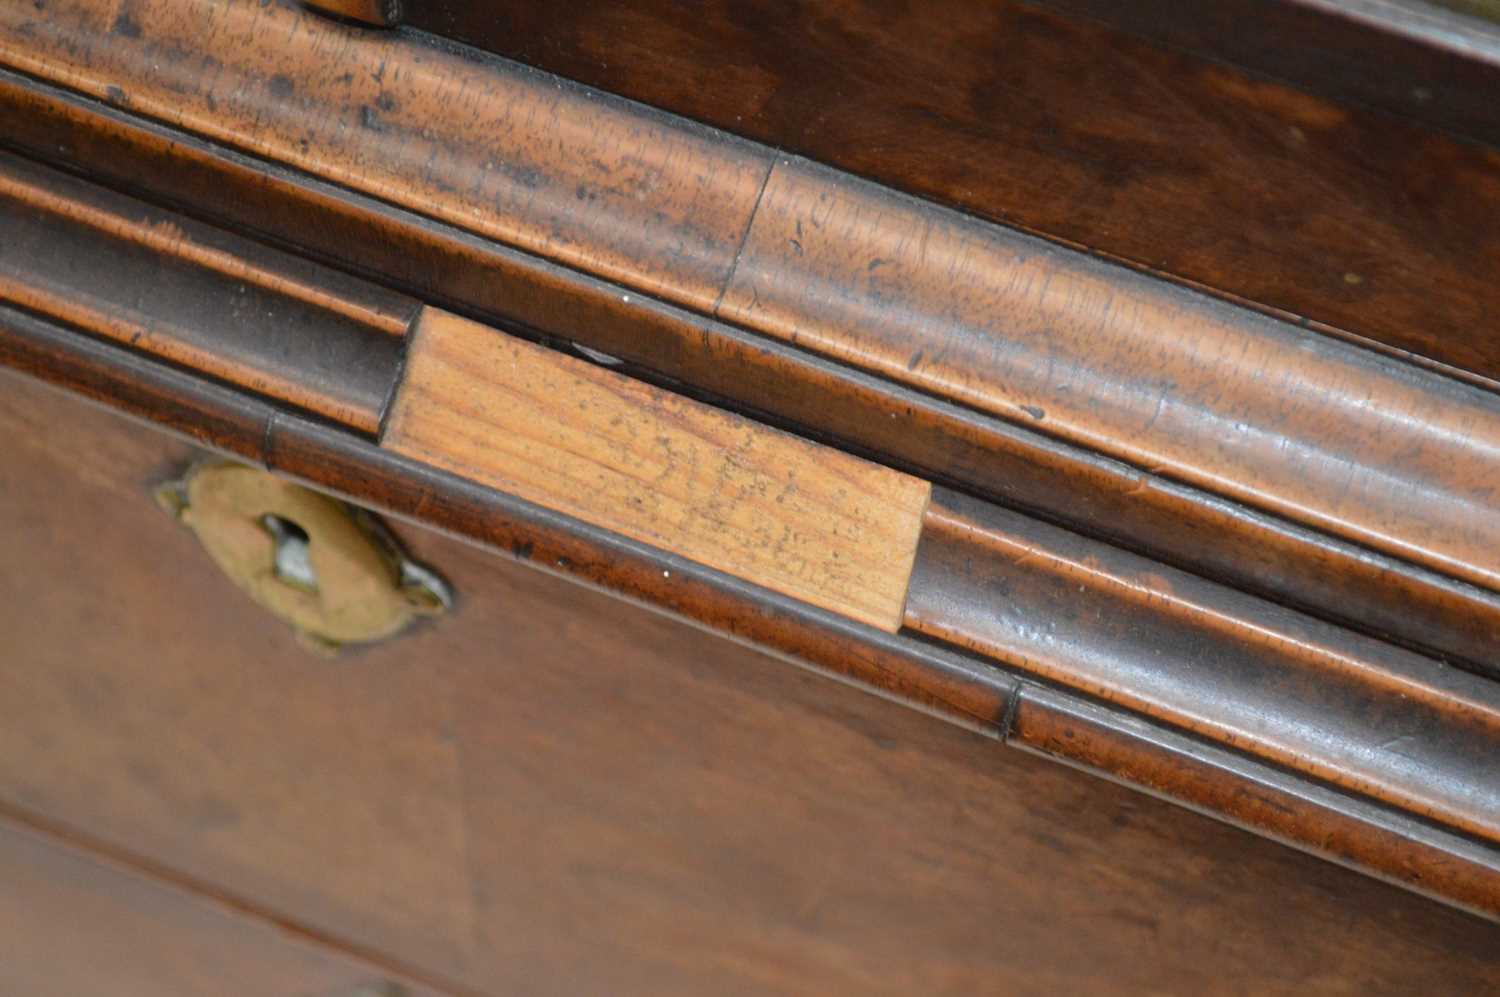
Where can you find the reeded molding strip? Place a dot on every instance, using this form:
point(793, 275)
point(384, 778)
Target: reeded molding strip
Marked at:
point(1321, 432)
point(794, 517)
point(1338, 707)
point(198, 296)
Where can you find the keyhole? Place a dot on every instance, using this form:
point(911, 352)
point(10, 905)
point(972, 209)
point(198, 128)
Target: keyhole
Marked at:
point(292, 563)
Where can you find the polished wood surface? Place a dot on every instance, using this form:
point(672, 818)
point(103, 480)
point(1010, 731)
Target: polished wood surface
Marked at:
point(985, 694)
point(67, 201)
point(556, 792)
point(1415, 60)
point(180, 402)
point(970, 693)
point(73, 923)
point(1321, 208)
point(1148, 507)
point(807, 521)
point(1243, 446)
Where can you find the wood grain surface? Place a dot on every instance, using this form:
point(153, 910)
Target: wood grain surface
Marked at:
point(75, 922)
point(554, 792)
point(1435, 69)
point(1364, 442)
point(800, 519)
point(1282, 805)
point(1381, 227)
point(1182, 389)
point(1226, 781)
point(1013, 463)
point(963, 690)
point(380, 13)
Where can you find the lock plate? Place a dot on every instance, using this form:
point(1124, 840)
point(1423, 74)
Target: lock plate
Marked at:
point(335, 573)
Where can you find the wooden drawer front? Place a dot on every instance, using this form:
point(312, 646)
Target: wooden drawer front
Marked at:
point(553, 791)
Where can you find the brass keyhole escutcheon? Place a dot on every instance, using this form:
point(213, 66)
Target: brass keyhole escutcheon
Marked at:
point(333, 572)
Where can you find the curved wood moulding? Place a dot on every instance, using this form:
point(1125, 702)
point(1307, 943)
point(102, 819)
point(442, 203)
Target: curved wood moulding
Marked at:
point(509, 155)
point(1321, 180)
point(1339, 707)
point(1206, 778)
point(933, 437)
point(268, 321)
point(965, 691)
point(1167, 380)
point(803, 520)
point(1225, 782)
point(822, 526)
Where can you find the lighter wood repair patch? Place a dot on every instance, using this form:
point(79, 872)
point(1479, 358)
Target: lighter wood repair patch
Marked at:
point(800, 519)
